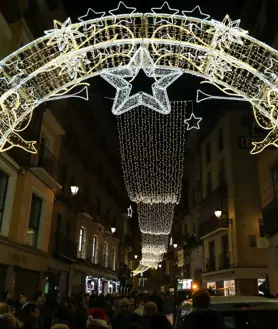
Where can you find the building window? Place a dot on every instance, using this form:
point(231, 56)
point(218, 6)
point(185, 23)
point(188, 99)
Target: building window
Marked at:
point(275, 182)
point(95, 250)
point(193, 198)
point(252, 241)
point(221, 172)
point(113, 259)
point(34, 221)
point(82, 243)
point(220, 140)
point(105, 254)
point(209, 184)
point(208, 158)
point(4, 181)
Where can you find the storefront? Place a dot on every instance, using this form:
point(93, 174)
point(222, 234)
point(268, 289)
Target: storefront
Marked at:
point(100, 285)
point(184, 284)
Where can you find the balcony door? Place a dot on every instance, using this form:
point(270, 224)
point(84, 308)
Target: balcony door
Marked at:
point(212, 255)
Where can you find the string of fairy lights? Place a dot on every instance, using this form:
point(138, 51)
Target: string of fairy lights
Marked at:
point(152, 155)
point(164, 43)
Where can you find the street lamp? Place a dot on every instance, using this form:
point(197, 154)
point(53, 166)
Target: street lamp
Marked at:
point(74, 189)
point(175, 245)
point(159, 265)
point(113, 230)
point(218, 213)
point(135, 256)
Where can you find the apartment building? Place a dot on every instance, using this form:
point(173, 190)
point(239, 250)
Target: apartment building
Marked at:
point(230, 209)
point(51, 236)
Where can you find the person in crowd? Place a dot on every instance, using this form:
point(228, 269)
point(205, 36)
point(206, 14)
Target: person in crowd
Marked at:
point(168, 307)
point(30, 315)
point(8, 321)
point(202, 315)
point(97, 319)
point(4, 308)
point(139, 306)
point(149, 310)
point(158, 301)
point(125, 316)
point(159, 320)
point(60, 326)
point(133, 325)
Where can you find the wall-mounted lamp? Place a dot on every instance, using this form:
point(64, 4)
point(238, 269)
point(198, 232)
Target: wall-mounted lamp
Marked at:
point(218, 213)
point(113, 230)
point(74, 190)
point(135, 256)
point(175, 245)
point(159, 265)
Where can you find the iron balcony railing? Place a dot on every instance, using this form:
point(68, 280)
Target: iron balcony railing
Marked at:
point(210, 264)
point(65, 248)
point(49, 163)
point(270, 219)
point(224, 261)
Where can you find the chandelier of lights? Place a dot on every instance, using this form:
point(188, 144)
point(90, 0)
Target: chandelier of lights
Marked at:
point(152, 152)
point(155, 218)
point(162, 44)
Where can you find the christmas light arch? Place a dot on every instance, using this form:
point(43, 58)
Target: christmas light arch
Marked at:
point(220, 52)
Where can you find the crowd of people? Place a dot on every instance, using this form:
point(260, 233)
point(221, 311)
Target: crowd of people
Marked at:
point(84, 311)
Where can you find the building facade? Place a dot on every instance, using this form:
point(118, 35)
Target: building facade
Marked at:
point(50, 237)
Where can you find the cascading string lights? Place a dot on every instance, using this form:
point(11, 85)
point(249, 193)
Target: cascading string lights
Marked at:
point(152, 151)
point(156, 218)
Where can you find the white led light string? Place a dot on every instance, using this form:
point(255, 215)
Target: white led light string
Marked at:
point(153, 153)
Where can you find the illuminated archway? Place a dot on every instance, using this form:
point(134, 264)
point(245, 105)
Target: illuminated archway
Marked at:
point(221, 52)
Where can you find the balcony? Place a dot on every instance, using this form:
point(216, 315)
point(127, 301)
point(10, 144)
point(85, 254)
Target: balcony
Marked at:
point(212, 226)
point(210, 265)
point(270, 219)
point(47, 168)
point(224, 261)
point(65, 248)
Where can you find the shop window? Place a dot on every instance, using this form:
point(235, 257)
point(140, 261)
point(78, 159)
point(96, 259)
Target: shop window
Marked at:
point(95, 250)
point(252, 241)
point(105, 254)
point(4, 180)
point(34, 221)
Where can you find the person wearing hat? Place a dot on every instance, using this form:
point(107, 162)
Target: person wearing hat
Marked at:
point(97, 319)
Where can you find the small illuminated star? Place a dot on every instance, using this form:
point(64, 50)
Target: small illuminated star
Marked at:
point(161, 10)
point(120, 10)
point(90, 23)
point(75, 66)
point(129, 211)
point(193, 122)
point(64, 35)
point(195, 9)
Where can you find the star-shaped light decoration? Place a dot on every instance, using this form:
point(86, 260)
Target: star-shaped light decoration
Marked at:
point(272, 70)
point(64, 35)
point(197, 10)
point(129, 211)
point(193, 122)
point(164, 9)
point(226, 33)
point(91, 19)
point(164, 77)
point(75, 66)
point(119, 11)
point(217, 67)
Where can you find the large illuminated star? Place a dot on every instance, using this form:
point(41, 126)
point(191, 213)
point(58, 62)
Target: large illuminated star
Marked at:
point(141, 60)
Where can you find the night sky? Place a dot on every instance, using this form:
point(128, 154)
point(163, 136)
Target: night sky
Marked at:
point(186, 87)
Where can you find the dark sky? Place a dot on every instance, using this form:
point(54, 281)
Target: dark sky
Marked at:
point(186, 87)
